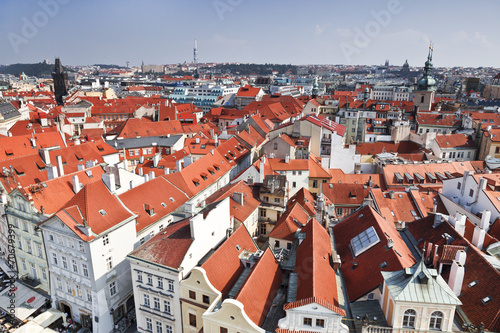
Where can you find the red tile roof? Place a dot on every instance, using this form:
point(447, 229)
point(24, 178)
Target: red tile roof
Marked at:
point(286, 226)
point(477, 268)
point(346, 194)
point(224, 266)
point(455, 141)
point(169, 247)
point(159, 195)
point(396, 209)
point(97, 206)
point(338, 176)
point(374, 148)
point(248, 91)
point(438, 119)
point(259, 289)
point(250, 199)
point(361, 278)
point(316, 278)
point(17, 146)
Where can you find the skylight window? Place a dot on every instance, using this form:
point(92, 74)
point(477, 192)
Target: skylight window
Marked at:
point(102, 212)
point(364, 241)
point(472, 284)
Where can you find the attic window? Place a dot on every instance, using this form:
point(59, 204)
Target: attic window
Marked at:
point(78, 157)
point(364, 241)
point(238, 247)
point(472, 284)
point(211, 170)
point(486, 300)
point(196, 182)
point(149, 209)
point(204, 176)
point(216, 167)
point(384, 264)
point(163, 204)
point(172, 199)
point(89, 173)
point(102, 212)
point(9, 152)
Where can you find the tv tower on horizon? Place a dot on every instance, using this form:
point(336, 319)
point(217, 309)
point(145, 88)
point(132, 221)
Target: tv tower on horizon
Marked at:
point(195, 52)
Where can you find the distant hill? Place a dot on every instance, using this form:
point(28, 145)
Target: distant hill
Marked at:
point(38, 70)
point(260, 69)
point(109, 66)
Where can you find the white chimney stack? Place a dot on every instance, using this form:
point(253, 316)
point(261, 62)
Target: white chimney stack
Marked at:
point(482, 183)
point(156, 160)
point(485, 220)
point(141, 159)
point(76, 184)
point(478, 237)
point(179, 165)
point(151, 175)
point(287, 158)
point(457, 273)
point(60, 166)
point(44, 154)
point(109, 181)
point(140, 172)
point(238, 197)
point(166, 171)
point(81, 167)
point(188, 160)
point(51, 171)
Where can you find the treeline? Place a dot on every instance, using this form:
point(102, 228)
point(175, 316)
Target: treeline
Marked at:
point(39, 70)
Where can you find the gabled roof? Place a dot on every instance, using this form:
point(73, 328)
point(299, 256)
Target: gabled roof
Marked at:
point(224, 266)
point(455, 141)
point(345, 194)
point(259, 289)
point(340, 177)
point(419, 284)
point(305, 199)
point(248, 91)
point(152, 201)
point(316, 278)
point(438, 119)
point(326, 123)
point(17, 146)
point(360, 278)
point(250, 199)
point(398, 208)
point(54, 193)
point(96, 207)
point(169, 247)
point(289, 222)
point(135, 127)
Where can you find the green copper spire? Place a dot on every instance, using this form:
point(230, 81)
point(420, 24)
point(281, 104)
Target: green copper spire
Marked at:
point(427, 81)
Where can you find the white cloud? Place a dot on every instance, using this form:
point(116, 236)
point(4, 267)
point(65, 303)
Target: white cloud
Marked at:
point(319, 29)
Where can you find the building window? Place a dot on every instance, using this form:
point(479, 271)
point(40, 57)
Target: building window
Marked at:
point(89, 295)
point(320, 323)
point(105, 240)
point(192, 295)
point(149, 325)
point(82, 248)
point(315, 183)
point(170, 285)
point(150, 279)
point(146, 300)
point(262, 230)
point(59, 283)
point(39, 250)
point(275, 146)
point(166, 306)
point(262, 213)
point(308, 321)
point(64, 262)
point(294, 184)
point(206, 299)
point(156, 303)
point(277, 200)
point(112, 288)
point(192, 319)
point(75, 265)
point(160, 283)
point(28, 246)
point(409, 318)
point(471, 193)
point(19, 244)
point(223, 330)
point(169, 329)
point(44, 273)
point(459, 185)
point(139, 276)
point(79, 291)
point(159, 327)
point(54, 259)
point(85, 270)
point(276, 244)
point(109, 263)
point(436, 320)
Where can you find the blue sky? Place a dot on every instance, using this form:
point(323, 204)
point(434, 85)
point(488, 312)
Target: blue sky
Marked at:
point(464, 33)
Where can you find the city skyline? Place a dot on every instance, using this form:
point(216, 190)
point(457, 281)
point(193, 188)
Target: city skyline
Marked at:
point(250, 32)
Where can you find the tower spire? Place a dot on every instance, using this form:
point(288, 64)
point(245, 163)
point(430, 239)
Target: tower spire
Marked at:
point(195, 52)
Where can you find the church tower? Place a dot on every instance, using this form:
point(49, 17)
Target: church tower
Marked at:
point(315, 89)
point(60, 82)
point(426, 86)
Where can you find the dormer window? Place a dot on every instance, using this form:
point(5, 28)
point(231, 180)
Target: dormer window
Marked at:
point(149, 209)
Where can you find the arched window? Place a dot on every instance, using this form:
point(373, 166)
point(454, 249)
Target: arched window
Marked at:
point(409, 318)
point(436, 321)
point(422, 99)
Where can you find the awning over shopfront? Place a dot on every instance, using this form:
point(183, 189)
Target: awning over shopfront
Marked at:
point(24, 300)
point(32, 327)
point(48, 317)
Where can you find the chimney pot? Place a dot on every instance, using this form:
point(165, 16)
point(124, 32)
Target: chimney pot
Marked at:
point(76, 184)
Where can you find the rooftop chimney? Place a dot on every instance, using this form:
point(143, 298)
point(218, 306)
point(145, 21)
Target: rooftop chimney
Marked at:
point(89, 164)
point(478, 237)
point(188, 160)
point(60, 165)
point(438, 218)
point(141, 159)
point(51, 171)
point(151, 175)
point(109, 180)
point(390, 243)
point(166, 171)
point(179, 165)
point(156, 160)
point(140, 172)
point(287, 158)
point(238, 197)
point(44, 154)
point(456, 276)
point(482, 183)
point(81, 167)
point(485, 220)
point(188, 209)
point(76, 184)
point(216, 140)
